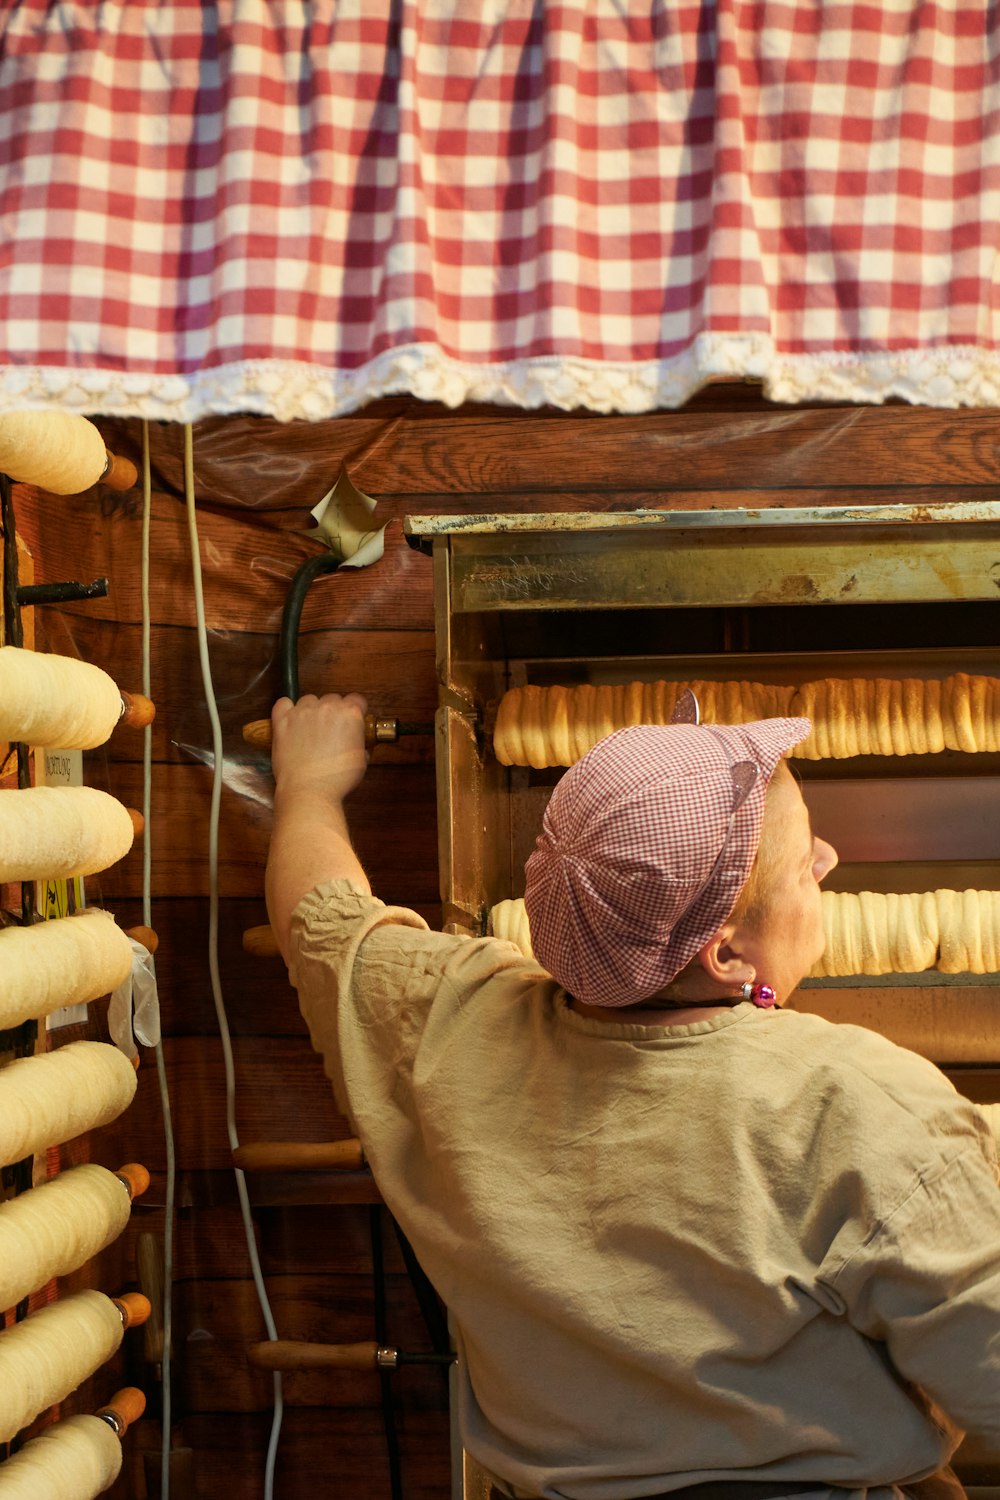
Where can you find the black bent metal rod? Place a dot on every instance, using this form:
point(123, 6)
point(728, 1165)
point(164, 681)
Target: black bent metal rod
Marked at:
point(288, 642)
point(60, 593)
point(381, 1334)
point(14, 636)
point(291, 617)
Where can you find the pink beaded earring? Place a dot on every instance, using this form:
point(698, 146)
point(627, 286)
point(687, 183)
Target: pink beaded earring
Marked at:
point(761, 995)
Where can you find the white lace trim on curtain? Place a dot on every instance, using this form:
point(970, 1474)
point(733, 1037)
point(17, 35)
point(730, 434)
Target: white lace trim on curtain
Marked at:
point(950, 376)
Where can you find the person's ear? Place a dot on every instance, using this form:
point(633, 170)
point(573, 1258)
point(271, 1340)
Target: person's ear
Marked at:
point(724, 960)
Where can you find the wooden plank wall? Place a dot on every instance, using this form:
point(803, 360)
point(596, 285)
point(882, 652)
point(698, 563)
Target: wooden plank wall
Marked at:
point(370, 631)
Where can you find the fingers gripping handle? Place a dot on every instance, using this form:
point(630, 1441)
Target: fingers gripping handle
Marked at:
point(378, 731)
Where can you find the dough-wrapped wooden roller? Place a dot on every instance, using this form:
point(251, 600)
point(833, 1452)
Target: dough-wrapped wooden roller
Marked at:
point(554, 726)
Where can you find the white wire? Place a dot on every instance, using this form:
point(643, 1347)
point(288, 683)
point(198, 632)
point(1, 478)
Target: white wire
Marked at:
point(161, 1067)
point(213, 946)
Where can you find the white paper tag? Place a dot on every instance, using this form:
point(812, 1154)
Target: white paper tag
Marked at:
point(344, 517)
point(134, 1011)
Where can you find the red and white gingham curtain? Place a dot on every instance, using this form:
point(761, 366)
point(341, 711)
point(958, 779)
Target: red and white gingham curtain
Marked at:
point(294, 208)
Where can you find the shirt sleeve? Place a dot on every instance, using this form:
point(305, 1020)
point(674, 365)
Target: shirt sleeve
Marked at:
point(371, 977)
point(991, 1114)
point(926, 1284)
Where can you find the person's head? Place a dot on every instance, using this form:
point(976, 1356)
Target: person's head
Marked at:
point(679, 860)
point(776, 926)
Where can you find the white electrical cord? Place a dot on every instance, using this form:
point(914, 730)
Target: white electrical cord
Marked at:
point(213, 945)
point(161, 1068)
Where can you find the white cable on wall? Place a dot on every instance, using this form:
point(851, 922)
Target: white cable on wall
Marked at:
point(213, 945)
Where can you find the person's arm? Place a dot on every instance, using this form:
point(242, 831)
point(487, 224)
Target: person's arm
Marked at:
point(318, 756)
point(927, 1286)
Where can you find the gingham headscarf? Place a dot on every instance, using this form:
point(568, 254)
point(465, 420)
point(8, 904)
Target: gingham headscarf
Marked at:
point(645, 846)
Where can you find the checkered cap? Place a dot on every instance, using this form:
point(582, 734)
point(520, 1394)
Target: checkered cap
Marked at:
point(645, 846)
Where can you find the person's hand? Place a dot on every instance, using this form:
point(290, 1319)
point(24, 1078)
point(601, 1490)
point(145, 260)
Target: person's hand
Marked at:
point(318, 745)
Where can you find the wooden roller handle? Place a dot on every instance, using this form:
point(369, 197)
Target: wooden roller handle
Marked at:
point(377, 731)
point(134, 1308)
point(135, 1178)
point(261, 941)
point(300, 1156)
point(258, 733)
point(149, 1268)
point(144, 935)
point(125, 1407)
point(139, 710)
point(138, 821)
point(120, 474)
point(290, 1354)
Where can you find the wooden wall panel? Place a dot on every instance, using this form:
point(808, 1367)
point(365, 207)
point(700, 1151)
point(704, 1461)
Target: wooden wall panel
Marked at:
point(704, 450)
point(246, 679)
point(725, 438)
point(181, 802)
point(215, 1316)
point(373, 631)
point(322, 1452)
point(247, 566)
point(260, 1000)
point(281, 1095)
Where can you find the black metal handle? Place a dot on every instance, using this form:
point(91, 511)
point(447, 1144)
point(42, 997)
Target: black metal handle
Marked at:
point(291, 615)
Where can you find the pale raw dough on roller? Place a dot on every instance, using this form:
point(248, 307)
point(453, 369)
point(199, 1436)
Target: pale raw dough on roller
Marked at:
point(67, 961)
point(52, 1229)
point(51, 1098)
point(870, 932)
point(76, 1459)
point(47, 1355)
point(970, 931)
point(56, 450)
point(509, 921)
point(57, 832)
point(554, 726)
point(55, 700)
point(875, 932)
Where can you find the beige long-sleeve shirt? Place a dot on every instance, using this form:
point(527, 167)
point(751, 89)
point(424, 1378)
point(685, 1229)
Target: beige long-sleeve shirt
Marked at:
point(757, 1246)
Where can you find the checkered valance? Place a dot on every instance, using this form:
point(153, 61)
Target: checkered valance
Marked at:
point(294, 208)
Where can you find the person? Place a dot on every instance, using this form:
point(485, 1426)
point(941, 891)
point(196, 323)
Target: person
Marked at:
point(692, 1242)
